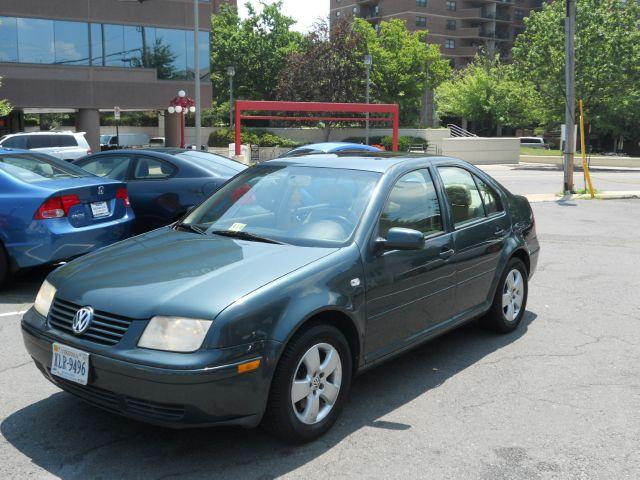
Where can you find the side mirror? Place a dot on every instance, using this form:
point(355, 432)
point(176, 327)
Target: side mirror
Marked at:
point(402, 239)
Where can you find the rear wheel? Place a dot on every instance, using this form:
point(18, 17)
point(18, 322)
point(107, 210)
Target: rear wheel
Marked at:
point(4, 265)
point(510, 301)
point(310, 385)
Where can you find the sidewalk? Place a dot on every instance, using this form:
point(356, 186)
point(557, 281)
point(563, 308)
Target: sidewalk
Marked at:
point(615, 195)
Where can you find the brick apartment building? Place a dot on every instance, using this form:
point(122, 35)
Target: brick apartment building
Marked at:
point(461, 27)
point(87, 56)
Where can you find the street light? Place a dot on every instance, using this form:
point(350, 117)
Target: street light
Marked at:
point(368, 61)
point(231, 71)
point(182, 105)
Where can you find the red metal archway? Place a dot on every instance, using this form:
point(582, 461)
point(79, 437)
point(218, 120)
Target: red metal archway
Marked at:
point(312, 107)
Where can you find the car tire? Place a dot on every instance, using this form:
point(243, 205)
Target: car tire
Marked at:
point(510, 301)
point(293, 421)
point(4, 266)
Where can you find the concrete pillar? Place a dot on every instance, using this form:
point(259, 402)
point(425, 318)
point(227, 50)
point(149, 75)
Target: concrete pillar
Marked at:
point(172, 129)
point(88, 121)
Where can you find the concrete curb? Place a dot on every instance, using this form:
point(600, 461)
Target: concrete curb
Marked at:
point(550, 197)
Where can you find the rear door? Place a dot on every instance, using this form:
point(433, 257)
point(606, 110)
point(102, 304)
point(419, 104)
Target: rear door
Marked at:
point(65, 147)
point(114, 166)
point(480, 229)
point(153, 198)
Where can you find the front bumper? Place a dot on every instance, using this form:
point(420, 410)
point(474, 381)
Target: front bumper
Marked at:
point(169, 397)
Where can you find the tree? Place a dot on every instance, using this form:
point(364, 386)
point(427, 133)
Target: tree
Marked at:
point(490, 94)
point(329, 68)
point(257, 47)
point(607, 62)
point(401, 60)
point(5, 107)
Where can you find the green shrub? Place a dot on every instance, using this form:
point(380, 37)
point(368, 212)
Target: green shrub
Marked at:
point(223, 137)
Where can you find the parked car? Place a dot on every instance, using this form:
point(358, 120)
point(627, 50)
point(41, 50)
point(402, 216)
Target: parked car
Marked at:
point(265, 301)
point(533, 142)
point(53, 211)
point(63, 145)
point(157, 142)
point(123, 140)
point(331, 147)
point(163, 183)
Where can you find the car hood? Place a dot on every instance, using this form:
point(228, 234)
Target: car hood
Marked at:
point(167, 272)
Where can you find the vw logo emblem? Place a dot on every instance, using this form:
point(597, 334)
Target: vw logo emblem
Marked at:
point(82, 320)
point(100, 190)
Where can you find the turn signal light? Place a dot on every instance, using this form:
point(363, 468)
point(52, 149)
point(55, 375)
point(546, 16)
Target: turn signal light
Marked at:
point(249, 366)
point(56, 207)
point(123, 195)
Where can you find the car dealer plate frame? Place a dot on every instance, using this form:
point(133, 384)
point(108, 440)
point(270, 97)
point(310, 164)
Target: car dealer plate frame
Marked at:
point(70, 363)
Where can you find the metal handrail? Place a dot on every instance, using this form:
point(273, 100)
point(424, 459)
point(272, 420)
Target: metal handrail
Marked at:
point(457, 131)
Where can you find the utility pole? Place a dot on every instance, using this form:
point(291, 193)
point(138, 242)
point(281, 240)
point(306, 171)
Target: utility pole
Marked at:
point(570, 79)
point(196, 68)
point(368, 61)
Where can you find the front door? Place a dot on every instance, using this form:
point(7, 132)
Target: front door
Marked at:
point(409, 292)
point(154, 204)
point(480, 230)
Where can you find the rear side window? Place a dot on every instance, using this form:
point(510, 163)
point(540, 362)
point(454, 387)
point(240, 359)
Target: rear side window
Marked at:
point(148, 168)
point(412, 203)
point(64, 141)
point(33, 168)
point(19, 141)
point(112, 166)
point(462, 194)
point(40, 141)
point(490, 197)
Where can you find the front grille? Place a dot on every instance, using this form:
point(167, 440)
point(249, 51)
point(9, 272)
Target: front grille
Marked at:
point(93, 395)
point(106, 328)
point(149, 409)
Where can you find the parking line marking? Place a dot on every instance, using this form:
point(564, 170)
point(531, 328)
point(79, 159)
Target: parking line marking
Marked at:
point(12, 313)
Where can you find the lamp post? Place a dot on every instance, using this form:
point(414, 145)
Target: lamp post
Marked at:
point(181, 105)
point(231, 71)
point(368, 61)
point(196, 69)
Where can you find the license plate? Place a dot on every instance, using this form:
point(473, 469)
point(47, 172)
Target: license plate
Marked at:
point(70, 363)
point(99, 209)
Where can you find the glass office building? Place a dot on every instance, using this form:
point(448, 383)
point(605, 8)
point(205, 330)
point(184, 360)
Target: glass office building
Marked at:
point(59, 42)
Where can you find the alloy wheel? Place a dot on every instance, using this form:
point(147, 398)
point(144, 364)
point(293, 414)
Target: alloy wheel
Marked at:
point(316, 383)
point(512, 295)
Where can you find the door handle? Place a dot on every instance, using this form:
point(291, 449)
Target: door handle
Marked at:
point(499, 232)
point(446, 252)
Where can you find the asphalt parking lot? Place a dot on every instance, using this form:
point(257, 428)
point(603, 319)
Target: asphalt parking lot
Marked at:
point(557, 399)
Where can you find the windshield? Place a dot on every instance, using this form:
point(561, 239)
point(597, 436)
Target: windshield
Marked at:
point(32, 168)
point(299, 205)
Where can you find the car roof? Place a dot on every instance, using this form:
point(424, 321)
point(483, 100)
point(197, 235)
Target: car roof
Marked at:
point(328, 146)
point(373, 162)
point(68, 132)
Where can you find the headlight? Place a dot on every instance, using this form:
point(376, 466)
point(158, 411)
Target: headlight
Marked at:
point(174, 334)
point(44, 298)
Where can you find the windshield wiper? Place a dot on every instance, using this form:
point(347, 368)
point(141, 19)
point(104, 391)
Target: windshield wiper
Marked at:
point(190, 228)
point(245, 236)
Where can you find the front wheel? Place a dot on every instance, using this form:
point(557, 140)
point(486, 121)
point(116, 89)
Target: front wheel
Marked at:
point(510, 301)
point(310, 385)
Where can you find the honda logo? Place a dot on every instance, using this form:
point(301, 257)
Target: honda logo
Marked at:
point(100, 190)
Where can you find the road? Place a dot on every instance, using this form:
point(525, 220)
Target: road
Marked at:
point(532, 178)
point(557, 399)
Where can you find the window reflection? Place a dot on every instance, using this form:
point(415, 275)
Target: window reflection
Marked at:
point(169, 51)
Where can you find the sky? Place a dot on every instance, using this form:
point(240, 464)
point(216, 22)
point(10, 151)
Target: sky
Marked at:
point(306, 12)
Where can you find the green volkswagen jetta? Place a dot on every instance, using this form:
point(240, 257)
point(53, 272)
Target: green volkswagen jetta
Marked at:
point(263, 303)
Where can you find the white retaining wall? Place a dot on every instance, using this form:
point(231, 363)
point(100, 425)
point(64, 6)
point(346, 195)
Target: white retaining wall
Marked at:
point(483, 150)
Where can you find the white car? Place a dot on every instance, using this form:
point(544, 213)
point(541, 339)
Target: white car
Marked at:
point(533, 142)
point(63, 145)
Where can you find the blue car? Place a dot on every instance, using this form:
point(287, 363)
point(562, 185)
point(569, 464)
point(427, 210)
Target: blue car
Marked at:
point(52, 211)
point(331, 147)
point(163, 183)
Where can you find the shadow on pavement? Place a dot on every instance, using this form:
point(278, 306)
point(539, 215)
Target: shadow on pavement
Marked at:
point(72, 440)
point(23, 287)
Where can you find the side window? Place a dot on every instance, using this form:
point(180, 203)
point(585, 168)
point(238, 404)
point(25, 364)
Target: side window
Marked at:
point(64, 141)
point(148, 168)
point(112, 166)
point(491, 199)
point(16, 142)
point(39, 141)
point(462, 194)
point(413, 203)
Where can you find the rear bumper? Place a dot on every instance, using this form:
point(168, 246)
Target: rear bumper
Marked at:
point(50, 241)
point(175, 398)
